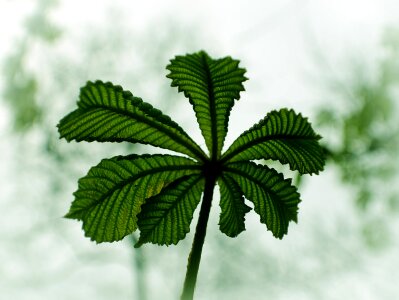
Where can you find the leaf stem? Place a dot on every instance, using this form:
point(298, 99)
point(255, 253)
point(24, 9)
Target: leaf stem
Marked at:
point(199, 238)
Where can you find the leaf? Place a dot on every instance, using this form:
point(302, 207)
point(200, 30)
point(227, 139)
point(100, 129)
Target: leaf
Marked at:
point(274, 198)
point(211, 86)
point(233, 208)
point(110, 196)
point(107, 113)
point(165, 219)
point(282, 135)
point(159, 193)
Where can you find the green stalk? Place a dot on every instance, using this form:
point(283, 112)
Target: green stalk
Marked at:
point(199, 238)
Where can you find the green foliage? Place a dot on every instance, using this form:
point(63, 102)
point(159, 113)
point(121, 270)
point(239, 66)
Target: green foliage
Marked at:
point(106, 113)
point(112, 193)
point(21, 84)
point(233, 207)
point(159, 193)
point(275, 199)
point(211, 86)
point(367, 127)
point(166, 217)
point(284, 136)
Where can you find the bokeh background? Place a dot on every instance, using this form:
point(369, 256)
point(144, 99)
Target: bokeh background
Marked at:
point(337, 62)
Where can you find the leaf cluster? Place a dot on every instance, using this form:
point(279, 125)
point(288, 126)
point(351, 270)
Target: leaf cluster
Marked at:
point(158, 194)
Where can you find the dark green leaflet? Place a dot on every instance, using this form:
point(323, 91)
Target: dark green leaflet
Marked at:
point(211, 85)
point(282, 135)
point(233, 208)
point(274, 198)
point(165, 219)
point(110, 196)
point(107, 113)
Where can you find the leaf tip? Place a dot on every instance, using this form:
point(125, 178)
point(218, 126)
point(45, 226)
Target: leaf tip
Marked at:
point(70, 215)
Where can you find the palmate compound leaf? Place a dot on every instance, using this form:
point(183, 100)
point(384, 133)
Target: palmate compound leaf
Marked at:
point(275, 199)
point(165, 219)
point(211, 85)
point(110, 196)
point(233, 208)
point(107, 113)
point(284, 136)
point(159, 193)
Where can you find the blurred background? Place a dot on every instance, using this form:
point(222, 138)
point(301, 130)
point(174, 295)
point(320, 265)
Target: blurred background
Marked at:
point(337, 62)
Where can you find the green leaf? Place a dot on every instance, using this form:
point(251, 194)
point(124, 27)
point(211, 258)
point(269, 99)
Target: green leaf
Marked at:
point(274, 198)
point(211, 86)
point(284, 136)
point(107, 113)
point(110, 196)
point(233, 208)
point(165, 219)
